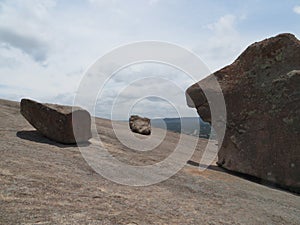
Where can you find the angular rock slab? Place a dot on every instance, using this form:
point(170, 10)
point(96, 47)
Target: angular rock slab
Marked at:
point(140, 125)
point(262, 95)
point(55, 121)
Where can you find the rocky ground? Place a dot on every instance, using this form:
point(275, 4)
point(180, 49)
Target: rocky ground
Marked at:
point(42, 182)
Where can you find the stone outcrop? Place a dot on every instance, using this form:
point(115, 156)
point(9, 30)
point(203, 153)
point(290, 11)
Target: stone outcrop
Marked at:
point(262, 95)
point(59, 123)
point(140, 125)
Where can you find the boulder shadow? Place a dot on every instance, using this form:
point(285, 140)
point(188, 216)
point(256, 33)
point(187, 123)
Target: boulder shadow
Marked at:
point(35, 136)
point(251, 178)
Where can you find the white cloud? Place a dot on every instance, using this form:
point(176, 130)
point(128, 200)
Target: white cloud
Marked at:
point(44, 55)
point(46, 45)
point(153, 2)
point(23, 26)
point(30, 45)
point(224, 26)
point(45, 59)
point(29, 78)
point(296, 9)
point(224, 42)
point(150, 89)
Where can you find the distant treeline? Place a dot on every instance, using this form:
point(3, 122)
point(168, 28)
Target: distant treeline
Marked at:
point(187, 125)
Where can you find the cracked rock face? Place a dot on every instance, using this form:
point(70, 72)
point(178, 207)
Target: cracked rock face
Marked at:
point(262, 95)
point(140, 125)
point(58, 123)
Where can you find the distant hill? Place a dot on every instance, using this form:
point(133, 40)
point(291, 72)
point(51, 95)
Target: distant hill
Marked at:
point(188, 125)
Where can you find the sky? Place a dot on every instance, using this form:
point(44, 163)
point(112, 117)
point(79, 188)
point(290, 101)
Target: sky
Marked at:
point(46, 46)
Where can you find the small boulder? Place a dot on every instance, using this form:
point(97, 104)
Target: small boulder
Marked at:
point(140, 125)
point(58, 123)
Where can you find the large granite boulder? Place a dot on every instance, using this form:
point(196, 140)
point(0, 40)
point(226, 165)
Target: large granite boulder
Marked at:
point(140, 125)
point(262, 95)
point(59, 123)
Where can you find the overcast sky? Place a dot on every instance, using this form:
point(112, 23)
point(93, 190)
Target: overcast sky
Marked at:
point(47, 45)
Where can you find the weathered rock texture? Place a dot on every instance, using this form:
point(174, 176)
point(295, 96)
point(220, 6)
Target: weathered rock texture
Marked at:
point(140, 125)
point(42, 182)
point(59, 123)
point(262, 95)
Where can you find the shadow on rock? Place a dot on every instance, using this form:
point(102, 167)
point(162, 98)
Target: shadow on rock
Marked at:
point(254, 179)
point(35, 136)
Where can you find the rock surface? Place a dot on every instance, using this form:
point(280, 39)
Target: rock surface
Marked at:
point(140, 125)
point(44, 182)
point(59, 123)
point(262, 95)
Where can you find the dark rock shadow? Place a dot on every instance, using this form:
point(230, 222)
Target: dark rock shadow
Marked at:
point(257, 180)
point(35, 136)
